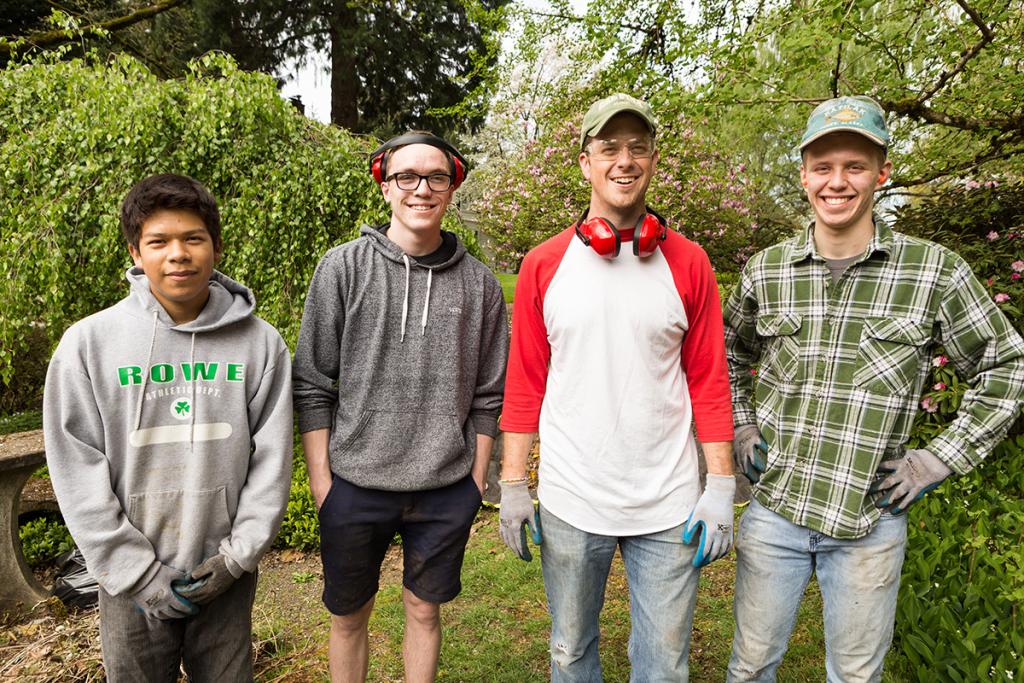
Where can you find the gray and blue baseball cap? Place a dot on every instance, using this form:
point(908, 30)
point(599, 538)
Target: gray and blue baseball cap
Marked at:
point(856, 114)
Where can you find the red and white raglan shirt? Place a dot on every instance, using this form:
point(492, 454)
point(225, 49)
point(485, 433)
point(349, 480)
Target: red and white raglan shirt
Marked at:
point(612, 362)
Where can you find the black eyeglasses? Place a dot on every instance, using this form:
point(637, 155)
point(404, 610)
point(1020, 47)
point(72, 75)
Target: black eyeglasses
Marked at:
point(438, 182)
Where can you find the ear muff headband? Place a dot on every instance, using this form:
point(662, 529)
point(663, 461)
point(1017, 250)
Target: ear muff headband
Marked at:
point(379, 156)
point(604, 238)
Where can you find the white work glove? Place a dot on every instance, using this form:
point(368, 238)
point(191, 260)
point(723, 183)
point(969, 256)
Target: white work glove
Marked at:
point(208, 580)
point(516, 512)
point(711, 520)
point(157, 599)
point(910, 477)
point(750, 451)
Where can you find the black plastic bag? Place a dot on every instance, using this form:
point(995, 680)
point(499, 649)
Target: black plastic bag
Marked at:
point(74, 584)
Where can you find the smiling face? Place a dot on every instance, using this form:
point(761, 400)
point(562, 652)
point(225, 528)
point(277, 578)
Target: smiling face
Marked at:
point(618, 187)
point(840, 173)
point(178, 255)
point(418, 211)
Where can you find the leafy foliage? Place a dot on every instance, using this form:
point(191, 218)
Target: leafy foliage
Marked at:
point(43, 539)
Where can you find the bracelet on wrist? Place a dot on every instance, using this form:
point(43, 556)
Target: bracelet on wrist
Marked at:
point(518, 480)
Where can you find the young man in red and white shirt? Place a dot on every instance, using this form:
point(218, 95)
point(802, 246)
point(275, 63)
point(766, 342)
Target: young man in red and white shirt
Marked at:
point(614, 358)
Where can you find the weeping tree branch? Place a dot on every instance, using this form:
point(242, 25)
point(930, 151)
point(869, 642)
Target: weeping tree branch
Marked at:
point(987, 36)
point(46, 39)
point(994, 154)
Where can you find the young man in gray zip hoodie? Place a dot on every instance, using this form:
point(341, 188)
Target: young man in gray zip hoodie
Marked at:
point(399, 373)
point(168, 428)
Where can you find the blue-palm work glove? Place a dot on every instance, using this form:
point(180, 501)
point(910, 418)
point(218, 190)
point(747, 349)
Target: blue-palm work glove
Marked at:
point(910, 477)
point(516, 512)
point(711, 520)
point(157, 599)
point(750, 451)
point(207, 581)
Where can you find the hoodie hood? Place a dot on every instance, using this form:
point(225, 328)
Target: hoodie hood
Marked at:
point(229, 302)
point(393, 252)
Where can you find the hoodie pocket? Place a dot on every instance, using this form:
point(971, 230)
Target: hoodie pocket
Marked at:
point(185, 527)
point(391, 434)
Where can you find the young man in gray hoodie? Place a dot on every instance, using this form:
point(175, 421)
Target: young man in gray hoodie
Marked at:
point(168, 429)
point(399, 373)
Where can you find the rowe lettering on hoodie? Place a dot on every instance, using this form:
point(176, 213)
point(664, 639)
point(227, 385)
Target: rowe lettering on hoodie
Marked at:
point(163, 373)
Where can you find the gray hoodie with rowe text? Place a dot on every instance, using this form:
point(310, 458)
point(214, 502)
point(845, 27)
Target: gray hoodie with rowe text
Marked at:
point(170, 443)
point(403, 362)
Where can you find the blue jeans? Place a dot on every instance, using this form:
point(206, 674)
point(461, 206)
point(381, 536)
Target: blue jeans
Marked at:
point(859, 580)
point(662, 593)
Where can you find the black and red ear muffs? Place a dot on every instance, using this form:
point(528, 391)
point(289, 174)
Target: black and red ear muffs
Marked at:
point(600, 235)
point(379, 156)
point(649, 231)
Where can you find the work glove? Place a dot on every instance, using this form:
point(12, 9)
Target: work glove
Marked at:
point(750, 451)
point(157, 599)
point(910, 477)
point(515, 514)
point(711, 520)
point(207, 581)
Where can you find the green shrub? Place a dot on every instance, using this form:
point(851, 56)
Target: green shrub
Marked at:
point(959, 614)
point(301, 526)
point(43, 539)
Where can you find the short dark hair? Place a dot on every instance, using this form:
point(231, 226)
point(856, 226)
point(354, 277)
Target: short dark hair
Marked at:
point(168, 191)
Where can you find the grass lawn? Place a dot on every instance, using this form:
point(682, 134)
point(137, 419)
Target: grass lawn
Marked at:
point(508, 285)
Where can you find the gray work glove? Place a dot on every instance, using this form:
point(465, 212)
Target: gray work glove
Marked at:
point(910, 477)
point(208, 580)
point(750, 451)
point(711, 520)
point(157, 599)
point(515, 514)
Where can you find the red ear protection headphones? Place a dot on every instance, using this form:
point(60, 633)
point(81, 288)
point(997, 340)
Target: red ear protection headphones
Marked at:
point(379, 156)
point(600, 235)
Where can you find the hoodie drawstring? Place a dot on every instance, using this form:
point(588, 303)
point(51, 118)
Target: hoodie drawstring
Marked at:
point(405, 301)
point(426, 302)
point(145, 374)
point(192, 401)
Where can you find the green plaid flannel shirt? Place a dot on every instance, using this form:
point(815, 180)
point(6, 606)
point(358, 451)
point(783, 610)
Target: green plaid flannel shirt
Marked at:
point(842, 367)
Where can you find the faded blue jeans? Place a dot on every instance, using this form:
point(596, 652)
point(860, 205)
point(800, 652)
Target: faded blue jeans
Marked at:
point(859, 581)
point(662, 593)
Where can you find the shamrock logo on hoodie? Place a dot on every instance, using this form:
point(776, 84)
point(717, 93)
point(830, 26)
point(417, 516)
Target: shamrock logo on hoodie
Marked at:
point(181, 409)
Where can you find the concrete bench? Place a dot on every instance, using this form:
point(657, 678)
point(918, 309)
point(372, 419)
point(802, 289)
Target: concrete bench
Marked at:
point(20, 455)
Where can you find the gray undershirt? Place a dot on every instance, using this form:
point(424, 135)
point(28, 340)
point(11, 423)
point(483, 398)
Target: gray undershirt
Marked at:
point(838, 266)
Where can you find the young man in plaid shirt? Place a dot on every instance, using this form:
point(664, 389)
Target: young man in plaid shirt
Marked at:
point(843, 320)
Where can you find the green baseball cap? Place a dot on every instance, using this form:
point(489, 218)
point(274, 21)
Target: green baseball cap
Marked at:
point(602, 111)
point(856, 114)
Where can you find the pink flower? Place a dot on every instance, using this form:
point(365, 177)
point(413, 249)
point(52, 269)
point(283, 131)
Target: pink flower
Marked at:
point(939, 386)
point(1001, 298)
point(988, 282)
point(992, 236)
point(929, 405)
point(939, 361)
point(1015, 276)
point(753, 371)
point(1018, 266)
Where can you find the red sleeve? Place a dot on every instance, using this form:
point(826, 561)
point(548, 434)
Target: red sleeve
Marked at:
point(527, 375)
point(703, 353)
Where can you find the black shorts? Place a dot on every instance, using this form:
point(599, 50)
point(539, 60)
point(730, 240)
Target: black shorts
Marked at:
point(357, 525)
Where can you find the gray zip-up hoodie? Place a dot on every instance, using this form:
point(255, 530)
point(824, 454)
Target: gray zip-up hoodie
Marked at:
point(403, 362)
point(170, 443)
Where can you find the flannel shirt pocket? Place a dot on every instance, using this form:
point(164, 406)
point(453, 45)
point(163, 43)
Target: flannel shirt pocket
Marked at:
point(890, 355)
point(781, 356)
